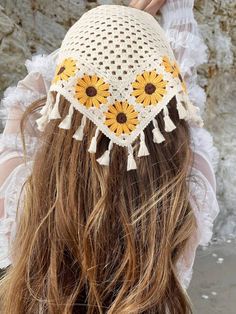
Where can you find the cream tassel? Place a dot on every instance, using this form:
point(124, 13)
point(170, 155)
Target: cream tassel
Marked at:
point(104, 160)
point(194, 114)
point(169, 125)
point(79, 134)
point(181, 110)
point(48, 105)
point(131, 164)
point(55, 114)
point(157, 135)
point(41, 122)
point(143, 150)
point(93, 144)
point(66, 123)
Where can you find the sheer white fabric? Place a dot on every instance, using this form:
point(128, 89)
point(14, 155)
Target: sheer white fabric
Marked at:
point(190, 51)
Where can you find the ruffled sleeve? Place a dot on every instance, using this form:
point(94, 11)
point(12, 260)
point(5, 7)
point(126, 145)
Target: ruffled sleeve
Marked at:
point(190, 51)
point(14, 167)
point(189, 48)
point(202, 195)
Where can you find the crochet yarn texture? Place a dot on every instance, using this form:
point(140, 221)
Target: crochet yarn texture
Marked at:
point(117, 68)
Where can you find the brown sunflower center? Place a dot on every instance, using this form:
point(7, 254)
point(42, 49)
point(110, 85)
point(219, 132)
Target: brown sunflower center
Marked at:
point(121, 117)
point(150, 88)
point(61, 70)
point(91, 91)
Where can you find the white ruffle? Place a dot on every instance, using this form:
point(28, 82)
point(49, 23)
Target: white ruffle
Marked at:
point(186, 41)
point(202, 143)
point(43, 64)
point(204, 202)
point(11, 191)
point(40, 67)
point(184, 273)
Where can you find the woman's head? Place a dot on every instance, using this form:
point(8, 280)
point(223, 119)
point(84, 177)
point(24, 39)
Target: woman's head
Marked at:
point(97, 238)
point(102, 235)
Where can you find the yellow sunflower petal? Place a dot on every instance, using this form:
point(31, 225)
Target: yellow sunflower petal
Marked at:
point(114, 127)
point(153, 75)
point(141, 80)
point(130, 109)
point(132, 115)
point(131, 126)
point(125, 128)
point(95, 102)
point(103, 93)
point(137, 92)
point(104, 87)
point(161, 91)
point(110, 121)
point(133, 121)
point(125, 106)
point(118, 106)
point(101, 99)
point(109, 115)
point(119, 130)
point(112, 109)
point(80, 94)
point(87, 80)
point(153, 99)
point(141, 98)
point(83, 100)
point(81, 82)
point(147, 100)
point(94, 79)
point(137, 85)
point(158, 96)
point(158, 79)
point(99, 82)
point(146, 76)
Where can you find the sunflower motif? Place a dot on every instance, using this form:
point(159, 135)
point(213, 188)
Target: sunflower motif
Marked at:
point(91, 91)
point(65, 70)
point(149, 88)
point(174, 69)
point(121, 118)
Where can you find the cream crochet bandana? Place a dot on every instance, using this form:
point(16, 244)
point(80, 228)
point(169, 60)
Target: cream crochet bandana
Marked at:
point(117, 68)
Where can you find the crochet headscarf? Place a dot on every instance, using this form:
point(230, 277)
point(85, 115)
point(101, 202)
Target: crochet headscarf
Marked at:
point(117, 68)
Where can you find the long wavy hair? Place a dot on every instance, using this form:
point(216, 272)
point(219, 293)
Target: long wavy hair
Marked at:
point(98, 239)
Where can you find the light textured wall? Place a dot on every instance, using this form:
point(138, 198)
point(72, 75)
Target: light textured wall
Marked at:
point(30, 26)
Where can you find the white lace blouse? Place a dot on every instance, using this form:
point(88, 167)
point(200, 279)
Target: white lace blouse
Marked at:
point(182, 31)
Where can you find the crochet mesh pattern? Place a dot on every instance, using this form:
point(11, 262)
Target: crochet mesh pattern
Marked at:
point(117, 68)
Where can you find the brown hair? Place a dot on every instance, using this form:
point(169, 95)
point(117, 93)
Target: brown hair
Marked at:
point(98, 239)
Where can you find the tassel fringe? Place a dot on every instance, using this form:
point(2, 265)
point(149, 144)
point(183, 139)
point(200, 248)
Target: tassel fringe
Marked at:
point(157, 135)
point(181, 110)
point(169, 125)
point(93, 144)
point(143, 150)
point(131, 164)
point(104, 160)
point(55, 114)
point(79, 134)
point(66, 123)
point(41, 122)
point(49, 103)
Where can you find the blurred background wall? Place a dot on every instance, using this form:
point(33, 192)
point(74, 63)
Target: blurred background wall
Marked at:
point(38, 26)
